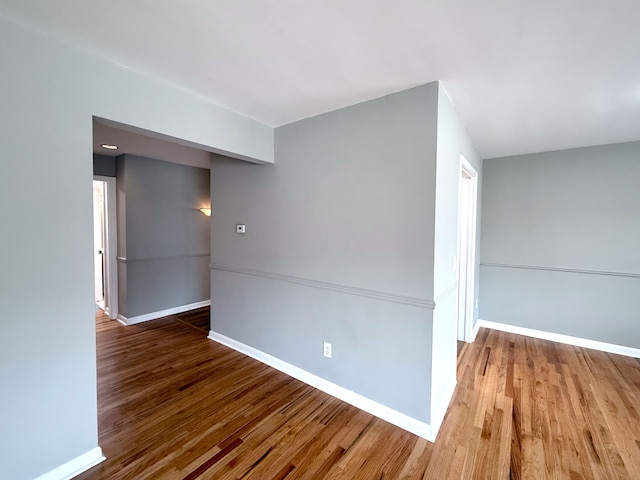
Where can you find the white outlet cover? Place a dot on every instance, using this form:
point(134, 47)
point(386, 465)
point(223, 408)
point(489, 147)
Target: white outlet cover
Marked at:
point(241, 228)
point(326, 349)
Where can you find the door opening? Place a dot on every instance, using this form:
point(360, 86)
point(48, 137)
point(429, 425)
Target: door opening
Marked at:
point(98, 243)
point(104, 244)
point(467, 209)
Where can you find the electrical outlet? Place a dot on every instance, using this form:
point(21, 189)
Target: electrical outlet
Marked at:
point(326, 349)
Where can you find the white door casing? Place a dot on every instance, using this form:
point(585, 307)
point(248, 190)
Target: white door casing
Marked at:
point(467, 216)
point(110, 246)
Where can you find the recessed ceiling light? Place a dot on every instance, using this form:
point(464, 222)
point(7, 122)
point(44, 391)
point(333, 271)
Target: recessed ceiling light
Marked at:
point(109, 146)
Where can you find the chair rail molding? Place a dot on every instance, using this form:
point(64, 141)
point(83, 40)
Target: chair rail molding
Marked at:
point(362, 292)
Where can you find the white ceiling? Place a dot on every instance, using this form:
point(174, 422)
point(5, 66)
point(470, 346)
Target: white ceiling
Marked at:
point(525, 75)
point(145, 144)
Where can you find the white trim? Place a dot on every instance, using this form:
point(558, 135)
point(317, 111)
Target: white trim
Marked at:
point(438, 417)
point(566, 339)
point(466, 324)
point(162, 313)
point(388, 414)
point(75, 466)
point(336, 287)
point(111, 246)
point(474, 332)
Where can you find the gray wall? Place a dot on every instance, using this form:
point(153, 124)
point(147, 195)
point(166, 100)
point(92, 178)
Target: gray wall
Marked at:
point(47, 331)
point(560, 232)
point(339, 248)
point(163, 239)
point(453, 141)
point(104, 165)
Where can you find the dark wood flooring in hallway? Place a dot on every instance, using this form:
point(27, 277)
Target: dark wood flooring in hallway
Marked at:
point(175, 405)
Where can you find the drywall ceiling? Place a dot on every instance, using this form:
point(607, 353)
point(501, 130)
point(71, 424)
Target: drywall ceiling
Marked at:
point(524, 75)
point(136, 143)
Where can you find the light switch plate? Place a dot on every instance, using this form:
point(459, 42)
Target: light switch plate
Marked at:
point(241, 228)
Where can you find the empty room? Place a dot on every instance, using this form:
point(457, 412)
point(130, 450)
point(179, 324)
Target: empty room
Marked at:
point(340, 240)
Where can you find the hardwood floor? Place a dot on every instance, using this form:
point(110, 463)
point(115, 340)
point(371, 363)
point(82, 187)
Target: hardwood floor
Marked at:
point(198, 318)
point(174, 405)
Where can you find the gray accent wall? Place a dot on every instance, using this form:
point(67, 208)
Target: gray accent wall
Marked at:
point(50, 92)
point(163, 239)
point(339, 248)
point(559, 244)
point(104, 165)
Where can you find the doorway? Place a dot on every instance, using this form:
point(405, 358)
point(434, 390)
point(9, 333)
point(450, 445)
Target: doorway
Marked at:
point(98, 243)
point(467, 213)
point(104, 245)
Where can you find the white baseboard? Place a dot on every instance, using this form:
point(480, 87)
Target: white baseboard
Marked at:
point(162, 313)
point(474, 332)
point(566, 339)
point(388, 414)
point(75, 466)
point(438, 417)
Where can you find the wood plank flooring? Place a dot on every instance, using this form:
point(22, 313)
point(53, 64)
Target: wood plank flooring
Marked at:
point(174, 405)
point(198, 318)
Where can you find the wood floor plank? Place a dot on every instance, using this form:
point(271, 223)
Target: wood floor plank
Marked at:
point(174, 405)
